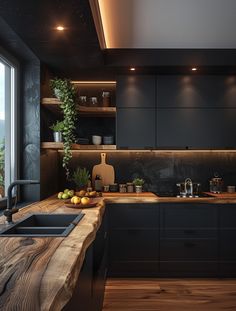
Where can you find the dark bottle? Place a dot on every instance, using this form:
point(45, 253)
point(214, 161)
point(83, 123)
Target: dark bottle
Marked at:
point(98, 183)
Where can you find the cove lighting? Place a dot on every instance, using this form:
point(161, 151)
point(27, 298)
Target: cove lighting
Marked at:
point(60, 28)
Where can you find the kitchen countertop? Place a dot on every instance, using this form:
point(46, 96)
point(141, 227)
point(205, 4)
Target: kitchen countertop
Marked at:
point(41, 273)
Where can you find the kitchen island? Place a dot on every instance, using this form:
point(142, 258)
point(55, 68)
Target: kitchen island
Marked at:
point(41, 273)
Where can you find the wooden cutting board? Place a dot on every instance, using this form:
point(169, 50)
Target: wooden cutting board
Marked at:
point(106, 171)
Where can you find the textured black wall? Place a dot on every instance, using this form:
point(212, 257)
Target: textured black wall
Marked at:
point(162, 170)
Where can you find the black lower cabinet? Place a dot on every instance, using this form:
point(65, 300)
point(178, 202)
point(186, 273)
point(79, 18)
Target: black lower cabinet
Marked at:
point(227, 238)
point(188, 243)
point(133, 240)
point(89, 292)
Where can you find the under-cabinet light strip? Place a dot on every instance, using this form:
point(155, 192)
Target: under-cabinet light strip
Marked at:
point(151, 151)
point(93, 82)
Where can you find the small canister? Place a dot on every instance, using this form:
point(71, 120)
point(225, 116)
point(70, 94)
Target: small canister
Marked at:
point(130, 187)
point(122, 188)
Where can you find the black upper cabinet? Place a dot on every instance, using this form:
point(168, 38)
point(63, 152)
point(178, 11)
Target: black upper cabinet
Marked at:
point(136, 128)
point(135, 91)
point(196, 91)
point(196, 128)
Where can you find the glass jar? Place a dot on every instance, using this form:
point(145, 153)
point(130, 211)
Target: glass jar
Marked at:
point(130, 187)
point(122, 188)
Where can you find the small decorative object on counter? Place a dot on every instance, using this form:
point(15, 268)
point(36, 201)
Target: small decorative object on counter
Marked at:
point(106, 99)
point(113, 187)
point(81, 177)
point(230, 189)
point(106, 188)
point(89, 188)
point(83, 100)
point(130, 187)
point(216, 184)
point(122, 188)
point(98, 183)
point(57, 131)
point(97, 140)
point(138, 182)
point(108, 140)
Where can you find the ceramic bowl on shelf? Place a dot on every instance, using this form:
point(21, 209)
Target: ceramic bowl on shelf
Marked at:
point(108, 140)
point(97, 140)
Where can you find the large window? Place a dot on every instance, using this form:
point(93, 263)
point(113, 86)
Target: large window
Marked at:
point(8, 124)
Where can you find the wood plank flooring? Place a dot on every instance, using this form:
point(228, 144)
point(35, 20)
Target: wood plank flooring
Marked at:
point(170, 295)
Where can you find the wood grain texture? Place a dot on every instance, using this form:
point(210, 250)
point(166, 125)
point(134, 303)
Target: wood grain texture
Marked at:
point(57, 146)
point(170, 294)
point(41, 273)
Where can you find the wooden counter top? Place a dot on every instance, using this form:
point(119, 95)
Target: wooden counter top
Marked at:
point(41, 273)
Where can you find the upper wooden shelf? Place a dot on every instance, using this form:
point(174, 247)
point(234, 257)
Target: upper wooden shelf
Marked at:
point(59, 146)
point(53, 105)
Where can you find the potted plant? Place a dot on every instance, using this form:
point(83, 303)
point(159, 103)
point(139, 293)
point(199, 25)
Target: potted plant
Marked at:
point(57, 131)
point(138, 182)
point(66, 93)
point(81, 178)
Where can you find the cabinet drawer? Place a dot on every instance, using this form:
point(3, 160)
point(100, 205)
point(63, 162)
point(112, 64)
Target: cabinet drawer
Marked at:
point(227, 244)
point(133, 216)
point(188, 233)
point(228, 216)
point(188, 249)
point(188, 215)
point(134, 245)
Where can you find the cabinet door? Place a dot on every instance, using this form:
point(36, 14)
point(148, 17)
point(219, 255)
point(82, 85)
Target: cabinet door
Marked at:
point(196, 128)
point(136, 128)
point(195, 91)
point(136, 91)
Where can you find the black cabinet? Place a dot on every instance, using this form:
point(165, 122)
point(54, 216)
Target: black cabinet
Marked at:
point(136, 128)
point(188, 240)
point(196, 128)
point(227, 238)
point(136, 91)
point(133, 239)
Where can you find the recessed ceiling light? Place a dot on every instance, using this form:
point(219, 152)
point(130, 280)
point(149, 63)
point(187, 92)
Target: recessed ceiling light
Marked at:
point(60, 28)
point(194, 69)
point(132, 69)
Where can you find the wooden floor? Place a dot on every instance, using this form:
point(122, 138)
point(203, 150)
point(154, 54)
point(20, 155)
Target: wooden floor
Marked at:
point(170, 294)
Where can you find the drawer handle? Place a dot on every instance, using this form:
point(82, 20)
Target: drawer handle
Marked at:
point(189, 245)
point(190, 231)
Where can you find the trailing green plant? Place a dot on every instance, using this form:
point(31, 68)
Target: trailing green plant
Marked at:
point(2, 163)
point(58, 126)
point(81, 177)
point(65, 92)
point(138, 182)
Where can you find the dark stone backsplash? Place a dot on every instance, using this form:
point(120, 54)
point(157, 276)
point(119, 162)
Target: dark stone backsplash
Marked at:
point(161, 171)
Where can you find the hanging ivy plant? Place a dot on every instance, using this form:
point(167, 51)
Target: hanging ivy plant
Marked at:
point(66, 93)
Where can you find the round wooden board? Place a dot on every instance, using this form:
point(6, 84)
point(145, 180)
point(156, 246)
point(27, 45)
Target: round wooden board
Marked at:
point(80, 206)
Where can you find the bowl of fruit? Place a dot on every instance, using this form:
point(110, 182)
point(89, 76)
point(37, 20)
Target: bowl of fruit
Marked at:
point(66, 194)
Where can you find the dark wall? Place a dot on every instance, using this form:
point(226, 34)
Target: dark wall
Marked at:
point(162, 170)
point(29, 108)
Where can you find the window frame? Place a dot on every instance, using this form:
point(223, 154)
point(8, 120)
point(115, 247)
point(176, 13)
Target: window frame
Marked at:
point(11, 119)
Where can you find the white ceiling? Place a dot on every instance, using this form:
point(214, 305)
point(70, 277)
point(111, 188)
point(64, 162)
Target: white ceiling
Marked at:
point(169, 23)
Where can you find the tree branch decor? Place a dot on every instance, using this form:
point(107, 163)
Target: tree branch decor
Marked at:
point(66, 93)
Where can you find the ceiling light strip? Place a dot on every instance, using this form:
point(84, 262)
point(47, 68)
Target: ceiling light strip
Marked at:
point(98, 21)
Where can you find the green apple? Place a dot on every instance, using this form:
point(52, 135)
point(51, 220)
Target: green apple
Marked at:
point(60, 194)
point(71, 193)
point(65, 196)
point(66, 190)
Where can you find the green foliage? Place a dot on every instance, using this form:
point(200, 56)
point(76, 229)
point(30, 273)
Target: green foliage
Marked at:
point(2, 163)
point(81, 177)
point(57, 127)
point(138, 182)
point(65, 92)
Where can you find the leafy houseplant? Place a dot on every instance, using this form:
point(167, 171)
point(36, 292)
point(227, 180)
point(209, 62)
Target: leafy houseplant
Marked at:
point(65, 92)
point(57, 130)
point(81, 177)
point(138, 182)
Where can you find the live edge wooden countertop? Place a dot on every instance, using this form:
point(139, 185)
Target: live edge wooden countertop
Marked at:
point(41, 273)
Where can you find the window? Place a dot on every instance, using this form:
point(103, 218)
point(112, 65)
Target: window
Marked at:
point(8, 124)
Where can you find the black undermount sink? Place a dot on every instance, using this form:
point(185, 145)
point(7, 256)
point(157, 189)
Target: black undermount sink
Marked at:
point(43, 225)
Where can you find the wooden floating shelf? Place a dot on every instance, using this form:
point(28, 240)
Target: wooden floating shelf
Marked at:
point(59, 146)
point(53, 105)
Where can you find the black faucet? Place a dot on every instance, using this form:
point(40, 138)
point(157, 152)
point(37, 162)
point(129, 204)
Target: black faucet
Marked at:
point(10, 211)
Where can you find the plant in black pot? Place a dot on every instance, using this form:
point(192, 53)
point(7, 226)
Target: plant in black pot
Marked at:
point(81, 178)
point(66, 93)
point(138, 182)
point(57, 131)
